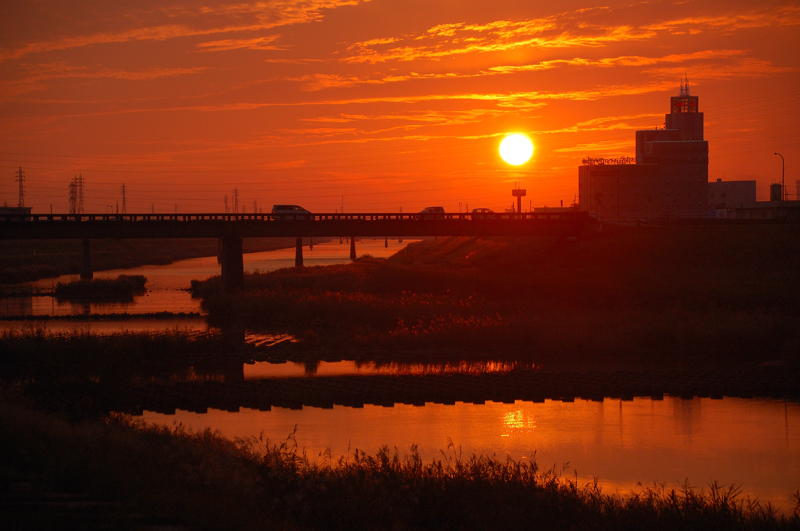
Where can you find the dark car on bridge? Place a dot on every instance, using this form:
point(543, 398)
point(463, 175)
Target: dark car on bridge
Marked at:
point(435, 212)
point(290, 212)
point(481, 213)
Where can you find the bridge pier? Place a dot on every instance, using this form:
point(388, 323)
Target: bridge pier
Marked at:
point(386, 242)
point(86, 268)
point(352, 248)
point(298, 252)
point(232, 263)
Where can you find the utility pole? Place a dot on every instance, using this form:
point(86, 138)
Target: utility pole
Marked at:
point(73, 196)
point(79, 185)
point(124, 202)
point(21, 180)
point(783, 178)
point(235, 200)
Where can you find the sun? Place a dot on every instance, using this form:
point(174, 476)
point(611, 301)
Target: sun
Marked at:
point(516, 149)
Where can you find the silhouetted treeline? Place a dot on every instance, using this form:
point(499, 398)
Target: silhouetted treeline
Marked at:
point(120, 289)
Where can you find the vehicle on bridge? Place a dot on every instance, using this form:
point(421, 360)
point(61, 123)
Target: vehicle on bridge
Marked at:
point(433, 212)
point(290, 212)
point(481, 213)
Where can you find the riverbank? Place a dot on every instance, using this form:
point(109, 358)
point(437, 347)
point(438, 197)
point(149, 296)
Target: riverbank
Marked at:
point(682, 295)
point(121, 474)
point(29, 260)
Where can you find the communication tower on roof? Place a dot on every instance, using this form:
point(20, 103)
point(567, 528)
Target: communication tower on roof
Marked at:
point(684, 102)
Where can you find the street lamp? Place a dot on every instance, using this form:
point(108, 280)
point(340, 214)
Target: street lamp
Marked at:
point(783, 177)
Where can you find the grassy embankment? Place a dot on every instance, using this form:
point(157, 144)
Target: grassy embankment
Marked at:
point(128, 476)
point(666, 294)
point(28, 260)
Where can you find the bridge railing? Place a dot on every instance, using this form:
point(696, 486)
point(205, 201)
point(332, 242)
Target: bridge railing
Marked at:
point(307, 218)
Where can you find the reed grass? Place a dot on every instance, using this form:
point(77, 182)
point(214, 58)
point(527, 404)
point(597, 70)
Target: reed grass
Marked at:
point(85, 375)
point(699, 293)
point(170, 476)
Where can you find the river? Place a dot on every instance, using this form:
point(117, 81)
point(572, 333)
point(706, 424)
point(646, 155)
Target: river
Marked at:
point(624, 444)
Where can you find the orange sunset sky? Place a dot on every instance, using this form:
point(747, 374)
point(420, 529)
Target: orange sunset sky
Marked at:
point(377, 104)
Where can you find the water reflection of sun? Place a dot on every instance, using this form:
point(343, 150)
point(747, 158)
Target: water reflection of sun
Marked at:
point(517, 422)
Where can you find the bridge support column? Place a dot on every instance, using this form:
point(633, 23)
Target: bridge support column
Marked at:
point(232, 264)
point(86, 268)
point(298, 253)
point(311, 244)
point(386, 242)
point(352, 248)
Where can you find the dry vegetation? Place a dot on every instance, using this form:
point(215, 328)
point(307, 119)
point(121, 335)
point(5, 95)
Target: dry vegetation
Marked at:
point(135, 476)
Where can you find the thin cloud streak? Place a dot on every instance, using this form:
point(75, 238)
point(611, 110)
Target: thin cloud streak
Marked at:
point(258, 43)
point(265, 15)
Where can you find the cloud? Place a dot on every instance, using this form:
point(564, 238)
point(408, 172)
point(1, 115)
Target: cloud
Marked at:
point(748, 67)
point(708, 64)
point(157, 25)
point(34, 77)
point(605, 123)
point(258, 43)
point(577, 29)
point(788, 15)
point(320, 81)
point(444, 40)
point(612, 146)
point(625, 60)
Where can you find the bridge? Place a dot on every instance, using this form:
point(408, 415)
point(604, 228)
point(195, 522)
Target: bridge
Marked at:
point(231, 228)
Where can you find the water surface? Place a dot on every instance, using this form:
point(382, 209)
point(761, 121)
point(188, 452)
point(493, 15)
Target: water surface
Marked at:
point(752, 443)
point(167, 286)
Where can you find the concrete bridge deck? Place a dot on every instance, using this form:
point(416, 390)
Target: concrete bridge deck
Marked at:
point(81, 226)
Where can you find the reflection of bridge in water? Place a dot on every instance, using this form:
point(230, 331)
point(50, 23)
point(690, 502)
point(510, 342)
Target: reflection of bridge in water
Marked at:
point(231, 228)
point(532, 385)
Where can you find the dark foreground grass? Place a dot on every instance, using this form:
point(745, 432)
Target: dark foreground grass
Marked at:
point(160, 476)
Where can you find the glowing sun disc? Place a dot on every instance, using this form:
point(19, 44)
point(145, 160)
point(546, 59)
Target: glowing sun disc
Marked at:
point(516, 149)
